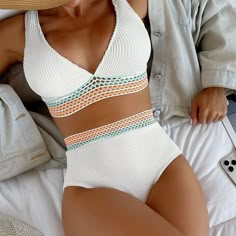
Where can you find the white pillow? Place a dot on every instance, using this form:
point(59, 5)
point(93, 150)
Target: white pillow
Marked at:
point(7, 13)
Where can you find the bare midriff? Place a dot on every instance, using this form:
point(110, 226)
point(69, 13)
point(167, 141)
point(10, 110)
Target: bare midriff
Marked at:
point(104, 112)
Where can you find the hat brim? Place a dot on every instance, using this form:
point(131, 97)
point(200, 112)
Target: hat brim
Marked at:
point(31, 4)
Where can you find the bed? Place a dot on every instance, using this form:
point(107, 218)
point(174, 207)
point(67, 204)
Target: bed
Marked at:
point(35, 197)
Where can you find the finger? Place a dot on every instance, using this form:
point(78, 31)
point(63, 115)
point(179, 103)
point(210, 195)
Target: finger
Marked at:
point(202, 116)
point(225, 112)
point(222, 116)
point(194, 113)
point(217, 118)
point(211, 117)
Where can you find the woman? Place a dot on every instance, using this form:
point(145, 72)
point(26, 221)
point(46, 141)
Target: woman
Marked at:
point(87, 60)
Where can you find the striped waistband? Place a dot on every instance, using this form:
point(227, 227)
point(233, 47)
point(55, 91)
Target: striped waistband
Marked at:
point(136, 121)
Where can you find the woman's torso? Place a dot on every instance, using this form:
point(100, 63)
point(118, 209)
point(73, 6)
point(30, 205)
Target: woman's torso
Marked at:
point(110, 46)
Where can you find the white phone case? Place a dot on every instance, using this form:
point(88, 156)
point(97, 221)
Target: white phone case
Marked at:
point(229, 162)
point(229, 165)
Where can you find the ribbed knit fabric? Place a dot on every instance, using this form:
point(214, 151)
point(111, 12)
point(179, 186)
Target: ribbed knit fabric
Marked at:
point(136, 121)
point(129, 154)
point(94, 90)
point(67, 88)
point(51, 75)
point(131, 162)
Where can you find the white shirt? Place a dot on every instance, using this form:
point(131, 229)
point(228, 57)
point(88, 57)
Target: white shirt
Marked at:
point(194, 47)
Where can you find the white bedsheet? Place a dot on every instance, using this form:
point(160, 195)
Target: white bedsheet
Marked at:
point(35, 197)
point(204, 154)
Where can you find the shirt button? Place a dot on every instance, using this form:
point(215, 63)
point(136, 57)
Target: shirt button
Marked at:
point(157, 34)
point(157, 114)
point(158, 76)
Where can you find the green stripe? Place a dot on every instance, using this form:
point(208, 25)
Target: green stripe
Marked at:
point(92, 84)
point(113, 133)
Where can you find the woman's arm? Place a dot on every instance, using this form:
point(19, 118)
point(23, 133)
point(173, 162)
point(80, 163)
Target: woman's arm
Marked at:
point(214, 35)
point(12, 41)
point(140, 6)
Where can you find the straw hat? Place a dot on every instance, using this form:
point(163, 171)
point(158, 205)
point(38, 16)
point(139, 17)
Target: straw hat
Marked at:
point(31, 4)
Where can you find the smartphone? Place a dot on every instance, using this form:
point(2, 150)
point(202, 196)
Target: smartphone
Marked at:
point(228, 163)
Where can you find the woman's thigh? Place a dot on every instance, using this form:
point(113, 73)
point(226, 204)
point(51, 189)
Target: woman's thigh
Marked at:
point(204, 146)
point(106, 212)
point(178, 198)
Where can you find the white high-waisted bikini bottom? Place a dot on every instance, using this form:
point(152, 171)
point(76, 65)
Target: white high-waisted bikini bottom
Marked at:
point(131, 162)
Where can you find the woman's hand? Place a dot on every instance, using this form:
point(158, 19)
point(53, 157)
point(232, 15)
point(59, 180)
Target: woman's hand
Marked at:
point(210, 105)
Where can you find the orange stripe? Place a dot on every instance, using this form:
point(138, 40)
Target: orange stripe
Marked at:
point(93, 133)
point(83, 101)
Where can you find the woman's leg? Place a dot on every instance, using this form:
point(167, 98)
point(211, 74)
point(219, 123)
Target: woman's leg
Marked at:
point(109, 212)
point(175, 207)
point(177, 197)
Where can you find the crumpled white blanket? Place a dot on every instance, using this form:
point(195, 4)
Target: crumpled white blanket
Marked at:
point(13, 227)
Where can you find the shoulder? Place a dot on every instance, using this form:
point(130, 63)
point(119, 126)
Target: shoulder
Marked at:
point(12, 41)
point(12, 33)
point(13, 24)
point(140, 6)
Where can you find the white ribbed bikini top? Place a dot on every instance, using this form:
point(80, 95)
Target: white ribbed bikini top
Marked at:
point(54, 77)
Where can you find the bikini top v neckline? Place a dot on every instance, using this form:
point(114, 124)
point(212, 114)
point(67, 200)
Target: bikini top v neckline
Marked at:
point(61, 57)
point(52, 75)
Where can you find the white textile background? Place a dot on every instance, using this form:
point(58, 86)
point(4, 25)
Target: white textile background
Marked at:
point(35, 197)
point(204, 146)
